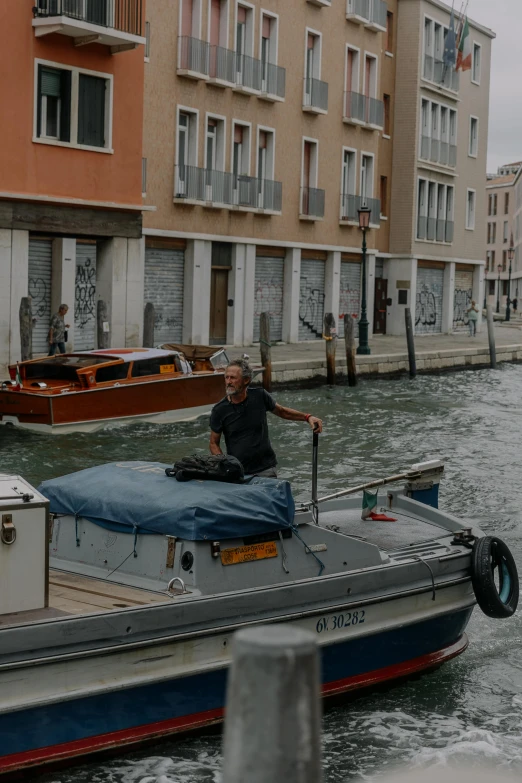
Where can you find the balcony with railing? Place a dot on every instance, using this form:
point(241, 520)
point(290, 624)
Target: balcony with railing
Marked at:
point(350, 205)
point(224, 189)
point(362, 110)
point(315, 96)
point(444, 76)
point(435, 229)
point(311, 204)
point(115, 23)
point(370, 13)
point(436, 151)
point(193, 57)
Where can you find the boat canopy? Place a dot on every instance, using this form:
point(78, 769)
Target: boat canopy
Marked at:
point(138, 497)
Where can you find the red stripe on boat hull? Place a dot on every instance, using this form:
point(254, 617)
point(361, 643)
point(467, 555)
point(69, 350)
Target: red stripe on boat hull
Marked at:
point(151, 731)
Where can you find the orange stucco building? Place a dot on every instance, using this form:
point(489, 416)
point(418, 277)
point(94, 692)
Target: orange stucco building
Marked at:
point(71, 89)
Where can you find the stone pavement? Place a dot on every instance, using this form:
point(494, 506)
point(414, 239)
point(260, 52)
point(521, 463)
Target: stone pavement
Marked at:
point(295, 362)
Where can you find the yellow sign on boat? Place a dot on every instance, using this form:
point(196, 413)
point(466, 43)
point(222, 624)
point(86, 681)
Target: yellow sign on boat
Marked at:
point(164, 368)
point(245, 554)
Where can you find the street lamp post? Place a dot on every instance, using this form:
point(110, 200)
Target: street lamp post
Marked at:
point(511, 255)
point(499, 267)
point(364, 223)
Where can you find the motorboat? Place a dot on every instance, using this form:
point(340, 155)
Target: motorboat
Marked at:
point(88, 390)
point(121, 589)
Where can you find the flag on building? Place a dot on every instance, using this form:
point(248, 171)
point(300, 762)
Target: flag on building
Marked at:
point(464, 48)
point(450, 44)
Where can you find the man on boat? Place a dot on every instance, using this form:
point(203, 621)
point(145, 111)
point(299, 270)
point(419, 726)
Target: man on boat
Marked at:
point(57, 331)
point(241, 418)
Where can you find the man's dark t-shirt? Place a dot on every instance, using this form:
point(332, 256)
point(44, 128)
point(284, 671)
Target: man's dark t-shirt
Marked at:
point(246, 429)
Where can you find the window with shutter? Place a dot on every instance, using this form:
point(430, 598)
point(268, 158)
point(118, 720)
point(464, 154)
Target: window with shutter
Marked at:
point(91, 111)
point(54, 103)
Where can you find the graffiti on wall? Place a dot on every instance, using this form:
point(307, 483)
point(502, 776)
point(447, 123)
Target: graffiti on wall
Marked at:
point(268, 297)
point(40, 294)
point(461, 305)
point(85, 294)
point(311, 307)
point(426, 307)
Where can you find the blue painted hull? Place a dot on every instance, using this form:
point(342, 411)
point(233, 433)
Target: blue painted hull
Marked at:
point(78, 727)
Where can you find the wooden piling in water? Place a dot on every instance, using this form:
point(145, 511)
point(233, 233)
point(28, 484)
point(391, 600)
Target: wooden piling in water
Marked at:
point(273, 715)
point(265, 347)
point(410, 342)
point(491, 338)
point(26, 328)
point(349, 343)
point(329, 335)
point(148, 326)
point(102, 322)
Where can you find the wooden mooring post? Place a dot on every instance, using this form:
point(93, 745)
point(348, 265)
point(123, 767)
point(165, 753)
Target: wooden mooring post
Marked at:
point(330, 336)
point(491, 338)
point(411, 343)
point(265, 347)
point(26, 328)
point(148, 326)
point(349, 344)
point(273, 715)
point(103, 326)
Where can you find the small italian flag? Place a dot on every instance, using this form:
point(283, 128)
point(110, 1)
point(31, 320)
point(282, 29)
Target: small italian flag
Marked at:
point(369, 505)
point(18, 377)
point(464, 48)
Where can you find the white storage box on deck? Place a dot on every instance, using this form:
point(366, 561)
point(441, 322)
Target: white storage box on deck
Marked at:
point(24, 538)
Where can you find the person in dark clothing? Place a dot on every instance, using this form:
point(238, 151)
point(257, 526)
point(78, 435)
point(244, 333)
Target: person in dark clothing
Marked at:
point(241, 417)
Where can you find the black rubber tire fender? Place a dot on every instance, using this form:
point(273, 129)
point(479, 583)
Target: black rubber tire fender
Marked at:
point(489, 554)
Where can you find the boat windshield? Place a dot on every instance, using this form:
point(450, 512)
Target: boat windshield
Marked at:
point(61, 368)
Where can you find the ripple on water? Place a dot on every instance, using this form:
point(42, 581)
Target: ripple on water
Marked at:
point(470, 710)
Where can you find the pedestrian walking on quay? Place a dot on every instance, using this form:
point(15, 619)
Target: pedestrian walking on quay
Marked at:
point(241, 417)
point(57, 329)
point(515, 304)
point(473, 318)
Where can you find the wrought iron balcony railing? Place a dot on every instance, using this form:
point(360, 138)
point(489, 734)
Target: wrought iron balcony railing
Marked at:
point(312, 202)
point(315, 94)
point(224, 188)
point(350, 205)
point(362, 109)
point(125, 16)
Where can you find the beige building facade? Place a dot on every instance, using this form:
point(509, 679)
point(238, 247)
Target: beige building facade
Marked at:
point(268, 125)
point(500, 227)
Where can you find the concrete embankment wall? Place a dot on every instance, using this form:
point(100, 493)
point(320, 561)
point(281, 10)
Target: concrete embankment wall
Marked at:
point(394, 364)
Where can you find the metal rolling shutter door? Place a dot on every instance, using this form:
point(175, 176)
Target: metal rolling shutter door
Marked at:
point(40, 272)
point(462, 299)
point(350, 294)
point(428, 305)
point(311, 301)
point(164, 273)
point(268, 295)
point(85, 298)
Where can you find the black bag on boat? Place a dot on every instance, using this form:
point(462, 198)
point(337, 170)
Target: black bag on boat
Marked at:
point(215, 467)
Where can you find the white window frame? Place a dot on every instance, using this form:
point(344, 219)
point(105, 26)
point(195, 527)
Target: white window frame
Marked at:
point(421, 181)
point(248, 125)
point(476, 46)
point(75, 76)
point(314, 161)
point(374, 75)
point(221, 143)
point(372, 156)
point(270, 157)
point(473, 151)
point(224, 29)
point(250, 27)
point(352, 151)
point(470, 224)
point(317, 60)
point(356, 74)
point(193, 147)
point(274, 35)
point(146, 48)
point(197, 18)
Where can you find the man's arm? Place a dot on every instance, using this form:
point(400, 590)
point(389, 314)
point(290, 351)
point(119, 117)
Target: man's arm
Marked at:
point(291, 415)
point(215, 438)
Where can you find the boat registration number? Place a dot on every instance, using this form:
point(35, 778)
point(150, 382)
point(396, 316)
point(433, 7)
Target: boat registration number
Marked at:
point(333, 622)
point(165, 368)
point(245, 554)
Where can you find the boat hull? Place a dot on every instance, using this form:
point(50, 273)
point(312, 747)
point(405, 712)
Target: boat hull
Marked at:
point(75, 727)
point(159, 401)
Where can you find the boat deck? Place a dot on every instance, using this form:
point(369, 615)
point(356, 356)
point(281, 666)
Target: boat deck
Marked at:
point(72, 594)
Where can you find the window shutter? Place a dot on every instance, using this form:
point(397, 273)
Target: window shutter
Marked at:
point(91, 111)
point(65, 112)
point(51, 82)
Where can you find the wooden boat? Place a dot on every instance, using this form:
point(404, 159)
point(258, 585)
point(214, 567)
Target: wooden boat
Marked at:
point(127, 637)
point(89, 390)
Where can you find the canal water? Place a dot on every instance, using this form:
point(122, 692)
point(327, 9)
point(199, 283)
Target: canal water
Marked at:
point(468, 712)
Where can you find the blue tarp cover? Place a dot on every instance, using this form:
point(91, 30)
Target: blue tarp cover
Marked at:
point(126, 495)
